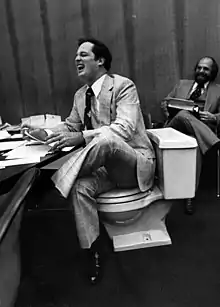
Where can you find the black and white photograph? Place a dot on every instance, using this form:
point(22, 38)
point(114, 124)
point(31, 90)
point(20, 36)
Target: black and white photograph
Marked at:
point(109, 153)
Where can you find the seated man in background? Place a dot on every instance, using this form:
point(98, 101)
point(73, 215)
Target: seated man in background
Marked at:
point(206, 95)
point(106, 109)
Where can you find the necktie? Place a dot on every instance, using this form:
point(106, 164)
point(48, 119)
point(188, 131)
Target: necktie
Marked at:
point(196, 93)
point(87, 112)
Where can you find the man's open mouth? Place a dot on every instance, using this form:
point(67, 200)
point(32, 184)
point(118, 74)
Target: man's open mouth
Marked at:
point(80, 67)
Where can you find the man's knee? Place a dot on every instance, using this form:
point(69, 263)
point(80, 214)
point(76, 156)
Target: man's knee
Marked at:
point(183, 118)
point(83, 186)
point(183, 114)
point(107, 141)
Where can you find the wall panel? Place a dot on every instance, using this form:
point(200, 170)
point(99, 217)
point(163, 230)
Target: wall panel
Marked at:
point(156, 62)
point(10, 89)
point(35, 81)
point(202, 32)
point(154, 42)
point(66, 26)
point(109, 27)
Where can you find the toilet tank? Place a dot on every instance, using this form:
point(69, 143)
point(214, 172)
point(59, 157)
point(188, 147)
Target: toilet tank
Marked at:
point(176, 162)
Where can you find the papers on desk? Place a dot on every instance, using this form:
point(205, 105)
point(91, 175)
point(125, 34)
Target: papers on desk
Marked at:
point(6, 163)
point(10, 145)
point(17, 136)
point(4, 135)
point(42, 121)
point(24, 151)
point(24, 154)
point(32, 137)
point(13, 128)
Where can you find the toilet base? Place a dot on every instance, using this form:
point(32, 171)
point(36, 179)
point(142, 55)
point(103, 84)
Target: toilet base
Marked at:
point(149, 230)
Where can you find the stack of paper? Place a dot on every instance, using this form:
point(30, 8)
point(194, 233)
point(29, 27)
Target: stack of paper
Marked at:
point(24, 151)
point(10, 145)
point(4, 135)
point(6, 163)
point(52, 121)
point(42, 121)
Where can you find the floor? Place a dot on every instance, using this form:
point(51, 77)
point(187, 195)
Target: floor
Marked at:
point(186, 273)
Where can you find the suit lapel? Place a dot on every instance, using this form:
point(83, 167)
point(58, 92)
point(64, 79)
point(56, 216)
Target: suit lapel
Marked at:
point(210, 97)
point(81, 101)
point(105, 97)
point(188, 88)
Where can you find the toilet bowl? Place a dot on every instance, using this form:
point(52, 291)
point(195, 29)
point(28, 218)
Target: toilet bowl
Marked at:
point(125, 211)
point(124, 207)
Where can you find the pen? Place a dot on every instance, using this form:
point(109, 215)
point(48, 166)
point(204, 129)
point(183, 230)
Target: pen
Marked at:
point(34, 144)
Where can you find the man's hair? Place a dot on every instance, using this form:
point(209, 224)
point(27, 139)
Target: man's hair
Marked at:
point(214, 71)
point(99, 49)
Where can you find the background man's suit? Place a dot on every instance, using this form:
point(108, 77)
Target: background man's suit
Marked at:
point(184, 121)
point(212, 97)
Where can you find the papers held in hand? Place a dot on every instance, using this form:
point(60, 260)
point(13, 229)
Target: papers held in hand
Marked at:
point(38, 141)
point(176, 104)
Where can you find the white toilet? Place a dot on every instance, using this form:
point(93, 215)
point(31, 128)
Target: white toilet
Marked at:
point(136, 219)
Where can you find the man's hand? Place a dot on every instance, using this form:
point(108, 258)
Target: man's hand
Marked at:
point(64, 139)
point(35, 132)
point(206, 116)
point(165, 108)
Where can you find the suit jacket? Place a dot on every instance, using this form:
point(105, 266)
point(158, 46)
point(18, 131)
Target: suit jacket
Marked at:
point(119, 113)
point(212, 101)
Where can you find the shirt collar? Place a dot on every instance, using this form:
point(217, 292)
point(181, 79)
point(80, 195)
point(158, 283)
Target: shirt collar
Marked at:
point(97, 85)
point(205, 85)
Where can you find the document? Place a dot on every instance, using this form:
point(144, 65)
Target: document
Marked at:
point(4, 135)
point(14, 128)
point(6, 163)
point(52, 120)
point(28, 151)
point(10, 145)
point(182, 104)
point(17, 136)
point(33, 137)
point(176, 104)
point(35, 141)
point(42, 121)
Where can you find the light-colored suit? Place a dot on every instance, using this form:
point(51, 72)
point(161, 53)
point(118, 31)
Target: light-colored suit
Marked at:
point(120, 113)
point(117, 119)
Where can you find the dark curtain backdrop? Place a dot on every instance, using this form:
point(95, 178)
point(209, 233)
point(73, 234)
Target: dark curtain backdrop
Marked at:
point(153, 42)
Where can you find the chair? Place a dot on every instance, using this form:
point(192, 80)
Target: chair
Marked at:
point(11, 208)
point(136, 219)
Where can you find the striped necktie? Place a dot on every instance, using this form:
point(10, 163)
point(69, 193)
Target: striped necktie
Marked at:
point(196, 93)
point(87, 112)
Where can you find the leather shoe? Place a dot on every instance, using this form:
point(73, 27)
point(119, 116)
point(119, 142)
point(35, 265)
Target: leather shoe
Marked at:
point(189, 207)
point(95, 267)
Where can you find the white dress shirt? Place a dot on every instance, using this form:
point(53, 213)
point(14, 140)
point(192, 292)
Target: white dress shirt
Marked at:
point(96, 87)
point(202, 90)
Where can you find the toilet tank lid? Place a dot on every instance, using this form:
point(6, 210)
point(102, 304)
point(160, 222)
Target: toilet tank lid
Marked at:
point(171, 138)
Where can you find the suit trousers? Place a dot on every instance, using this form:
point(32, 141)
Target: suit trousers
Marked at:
point(111, 163)
point(187, 123)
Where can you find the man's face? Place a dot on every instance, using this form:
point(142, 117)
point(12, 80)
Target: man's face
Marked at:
point(203, 71)
point(87, 66)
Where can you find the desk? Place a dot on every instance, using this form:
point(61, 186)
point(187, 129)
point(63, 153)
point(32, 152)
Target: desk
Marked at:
point(10, 262)
point(10, 174)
